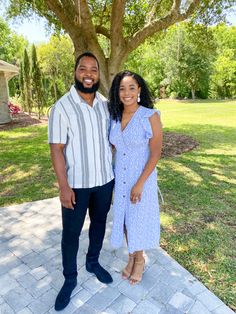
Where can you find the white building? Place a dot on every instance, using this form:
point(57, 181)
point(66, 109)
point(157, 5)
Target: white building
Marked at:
point(7, 71)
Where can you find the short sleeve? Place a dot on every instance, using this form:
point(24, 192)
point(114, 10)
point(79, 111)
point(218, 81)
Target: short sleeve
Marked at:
point(57, 127)
point(146, 123)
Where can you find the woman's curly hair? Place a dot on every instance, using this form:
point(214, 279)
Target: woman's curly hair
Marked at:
point(115, 106)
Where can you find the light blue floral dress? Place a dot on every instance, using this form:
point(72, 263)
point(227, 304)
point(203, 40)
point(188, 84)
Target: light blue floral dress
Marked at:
point(142, 219)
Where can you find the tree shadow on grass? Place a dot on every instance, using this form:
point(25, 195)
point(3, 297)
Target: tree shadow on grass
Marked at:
point(200, 204)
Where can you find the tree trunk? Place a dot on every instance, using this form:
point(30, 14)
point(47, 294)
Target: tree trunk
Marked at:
point(193, 92)
point(4, 111)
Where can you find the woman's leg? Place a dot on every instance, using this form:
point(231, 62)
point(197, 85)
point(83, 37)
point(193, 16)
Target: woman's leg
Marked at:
point(126, 272)
point(138, 268)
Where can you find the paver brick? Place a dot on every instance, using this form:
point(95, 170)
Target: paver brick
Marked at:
point(169, 309)
point(194, 286)
point(38, 307)
point(34, 260)
point(18, 298)
point(81, 297)
point(118, 264)
point(21, 250)
point(6, 309)
point(209, 300)
point(83, 275)
point(57, 279)
point(26, 310)
point(7, 283)
point(103, 298)
point(199, 308)
point(181, 302)
point(163, 257)
point(8, 264)
point(49, 298)
point(223, 309)
point(39, 272)
point(116, 276)
point(27, 281)
point(136, 293)
point(93, 285)
point(161, 293)
point(19, 271)
point(50, 253)
point(86, 309)
point(121, 305)
point(145, 307)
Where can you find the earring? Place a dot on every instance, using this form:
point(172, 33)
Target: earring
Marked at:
point(138, 100)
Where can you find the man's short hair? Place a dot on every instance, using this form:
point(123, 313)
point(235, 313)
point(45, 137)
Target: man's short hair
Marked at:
point(85, 54)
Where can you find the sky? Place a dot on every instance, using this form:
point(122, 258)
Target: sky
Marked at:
point(36, 33)
point(34, 30)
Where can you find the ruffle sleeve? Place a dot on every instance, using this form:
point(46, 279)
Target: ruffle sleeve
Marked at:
point(146, 123)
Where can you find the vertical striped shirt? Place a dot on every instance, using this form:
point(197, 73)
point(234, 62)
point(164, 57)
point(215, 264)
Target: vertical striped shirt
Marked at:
point(84, 131)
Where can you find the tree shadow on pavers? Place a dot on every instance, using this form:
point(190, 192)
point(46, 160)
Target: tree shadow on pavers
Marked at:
point(31, 254)
point(199, 211)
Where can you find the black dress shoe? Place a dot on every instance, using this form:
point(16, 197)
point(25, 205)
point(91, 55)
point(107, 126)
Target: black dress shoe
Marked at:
point(63, 297)
point(101, 273)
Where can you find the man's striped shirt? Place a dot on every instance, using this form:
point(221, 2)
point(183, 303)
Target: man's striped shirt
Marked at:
point(84, 131)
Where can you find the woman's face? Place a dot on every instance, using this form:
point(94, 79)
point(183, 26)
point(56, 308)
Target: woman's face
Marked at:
point(128, 91)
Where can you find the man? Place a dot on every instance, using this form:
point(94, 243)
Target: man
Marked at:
point(82, 160)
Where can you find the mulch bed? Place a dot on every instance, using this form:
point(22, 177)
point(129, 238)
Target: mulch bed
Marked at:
point(22, 120)
point(173, 143)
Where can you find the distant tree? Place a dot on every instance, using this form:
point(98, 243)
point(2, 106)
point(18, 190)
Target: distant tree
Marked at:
point(11, 50)
point(27, 82)
point(37, 86)
point(223, 78)
point(56, 59)
point(22, 86)
point(146, 61)
point(187, 52)
point(11, 45)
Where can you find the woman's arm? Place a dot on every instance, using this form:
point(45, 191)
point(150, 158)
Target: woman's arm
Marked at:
point(155, 144)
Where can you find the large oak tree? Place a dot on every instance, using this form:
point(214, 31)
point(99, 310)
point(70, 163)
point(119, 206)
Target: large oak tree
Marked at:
point(111, 29)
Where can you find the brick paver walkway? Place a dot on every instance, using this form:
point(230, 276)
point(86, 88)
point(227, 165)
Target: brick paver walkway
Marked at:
point(30, 272)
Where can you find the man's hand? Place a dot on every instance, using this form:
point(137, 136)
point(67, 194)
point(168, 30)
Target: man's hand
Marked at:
point(67, 197)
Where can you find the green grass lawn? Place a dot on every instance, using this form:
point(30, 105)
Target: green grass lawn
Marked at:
point(199, 187)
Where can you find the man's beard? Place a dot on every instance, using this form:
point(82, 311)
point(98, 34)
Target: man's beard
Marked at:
point(86, 90)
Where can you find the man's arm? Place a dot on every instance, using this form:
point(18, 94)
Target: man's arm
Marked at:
point(67, 196)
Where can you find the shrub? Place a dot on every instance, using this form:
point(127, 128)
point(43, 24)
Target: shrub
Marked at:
point(14, 109)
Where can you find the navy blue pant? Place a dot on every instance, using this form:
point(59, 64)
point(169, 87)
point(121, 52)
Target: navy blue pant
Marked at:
point(98, 201)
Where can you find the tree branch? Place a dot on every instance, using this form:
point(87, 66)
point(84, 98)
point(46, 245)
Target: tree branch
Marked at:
point(152, 12)
point(160, 24)
point(117, 15)
point(56, 7)
point(103, 31)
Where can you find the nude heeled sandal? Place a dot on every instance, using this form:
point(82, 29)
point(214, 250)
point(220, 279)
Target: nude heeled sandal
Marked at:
point(126, 272)
point(137, 272)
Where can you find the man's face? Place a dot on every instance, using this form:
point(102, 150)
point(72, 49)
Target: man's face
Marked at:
point(87, 75)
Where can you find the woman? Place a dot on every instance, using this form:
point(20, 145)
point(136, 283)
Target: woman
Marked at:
point(136, 134)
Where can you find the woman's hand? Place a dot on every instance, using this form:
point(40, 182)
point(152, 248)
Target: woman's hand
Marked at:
point(136, 193)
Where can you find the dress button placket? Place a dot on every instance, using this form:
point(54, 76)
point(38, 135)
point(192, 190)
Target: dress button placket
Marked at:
point(124, 187)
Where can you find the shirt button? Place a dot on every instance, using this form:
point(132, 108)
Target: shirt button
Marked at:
point(124, 196)
point(124, 154)
point(124, 168)
point(124, 182)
